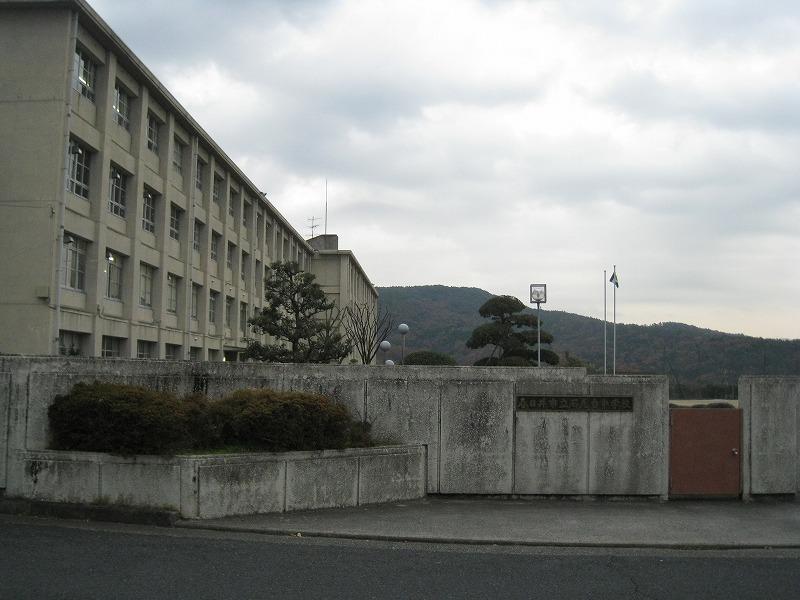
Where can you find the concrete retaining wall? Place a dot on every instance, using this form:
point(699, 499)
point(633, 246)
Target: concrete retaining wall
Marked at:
point(477, 442)
point(217, 486)
point(770, 435)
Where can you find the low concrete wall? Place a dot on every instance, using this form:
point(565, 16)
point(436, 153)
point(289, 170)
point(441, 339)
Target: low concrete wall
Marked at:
point(217, 486)
point(5, 419)
point(770, 435)
point(477, 442)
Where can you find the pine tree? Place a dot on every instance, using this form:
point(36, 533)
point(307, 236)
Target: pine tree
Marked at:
point(511, 333)
point(306, 325)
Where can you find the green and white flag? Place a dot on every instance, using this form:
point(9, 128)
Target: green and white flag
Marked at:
point(614, 279)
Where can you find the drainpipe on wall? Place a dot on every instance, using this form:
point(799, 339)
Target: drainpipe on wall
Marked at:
point(190, 255)
point(62, 197)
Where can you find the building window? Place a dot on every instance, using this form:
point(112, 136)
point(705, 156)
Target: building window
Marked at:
point(112, 347)
point(117, 191)
point(197, 234)
point(172, 293)
point(213, 297)
point(195, 353)
point(172, 351)
point(85, 73)
point(259, 228)
point(216, 194)
point(149, 212)
point(122, 107)
point(78, 170)
point(245, 213)
point(243, 317)
point(229, 256)
point(244, 265)
point(177, 157)
point(114, 272)
point(215, 237)
point(232, 205)
point(145, 349)
point(175, 222)
point(198, 175)
point(74, 263)
point(146, 276)
point(228, 311)
point(70, 343)
point(268, 234)
point(195, 300)
point(153, 128)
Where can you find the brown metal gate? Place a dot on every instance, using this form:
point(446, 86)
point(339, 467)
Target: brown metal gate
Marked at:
point(704, 452)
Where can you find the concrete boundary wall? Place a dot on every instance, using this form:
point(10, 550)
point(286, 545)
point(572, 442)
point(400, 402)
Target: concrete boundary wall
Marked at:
point(202, 487)
point(477, 441)
point(770, 435)
point(5, 424)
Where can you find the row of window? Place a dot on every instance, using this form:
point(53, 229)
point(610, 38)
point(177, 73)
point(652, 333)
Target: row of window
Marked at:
point(75, 278)
point(75, 270)
point(86, 69)
point(85, 82)
point(79, 181)
point(72, 343)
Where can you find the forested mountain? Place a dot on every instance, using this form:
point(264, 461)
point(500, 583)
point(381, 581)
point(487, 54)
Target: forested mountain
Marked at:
point(700, 362)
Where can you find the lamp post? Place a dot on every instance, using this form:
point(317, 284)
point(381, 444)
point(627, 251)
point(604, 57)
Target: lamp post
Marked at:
point(403, 329)
point(385, 346)
point(538, 296)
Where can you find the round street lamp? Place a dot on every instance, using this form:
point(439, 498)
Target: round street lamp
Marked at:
point(385, 346)
point(403, 329)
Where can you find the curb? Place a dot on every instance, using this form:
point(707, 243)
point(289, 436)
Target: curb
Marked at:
point(421, 539)
point(113, 513)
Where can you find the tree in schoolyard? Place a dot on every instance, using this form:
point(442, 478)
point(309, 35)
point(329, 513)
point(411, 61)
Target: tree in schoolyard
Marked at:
point(367, 327)
point(511, 333)
point(304, 324)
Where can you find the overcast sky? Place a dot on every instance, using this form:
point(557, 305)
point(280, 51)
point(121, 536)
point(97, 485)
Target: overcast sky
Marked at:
point(497, 144)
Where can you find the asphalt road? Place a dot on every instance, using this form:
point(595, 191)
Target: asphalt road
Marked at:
point(44, 559)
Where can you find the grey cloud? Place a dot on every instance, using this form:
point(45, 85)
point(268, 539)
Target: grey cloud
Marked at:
point(774, 109)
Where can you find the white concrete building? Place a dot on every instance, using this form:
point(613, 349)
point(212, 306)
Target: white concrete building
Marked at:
point(125, 229)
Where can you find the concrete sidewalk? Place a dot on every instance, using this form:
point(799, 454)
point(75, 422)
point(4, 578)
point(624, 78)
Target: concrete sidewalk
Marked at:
point(675, 524)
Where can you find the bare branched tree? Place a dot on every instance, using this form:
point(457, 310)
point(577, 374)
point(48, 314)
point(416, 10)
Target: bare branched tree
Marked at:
point(366, 329)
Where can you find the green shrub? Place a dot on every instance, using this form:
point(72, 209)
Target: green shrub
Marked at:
point(428, 357)
point(515, 361)
point(281, 421)
point(124, 419)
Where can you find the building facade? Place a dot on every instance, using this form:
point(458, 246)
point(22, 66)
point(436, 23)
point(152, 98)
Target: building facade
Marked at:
point(341, 277)
point(126, 230)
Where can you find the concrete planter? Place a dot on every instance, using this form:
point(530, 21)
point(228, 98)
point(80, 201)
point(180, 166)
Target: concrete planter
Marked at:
point(209, 486)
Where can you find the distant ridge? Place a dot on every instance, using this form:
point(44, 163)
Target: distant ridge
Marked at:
point(700, 362)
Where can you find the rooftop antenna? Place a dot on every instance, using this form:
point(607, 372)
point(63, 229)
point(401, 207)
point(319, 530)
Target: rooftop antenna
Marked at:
point(313, 224)
point(326, 206)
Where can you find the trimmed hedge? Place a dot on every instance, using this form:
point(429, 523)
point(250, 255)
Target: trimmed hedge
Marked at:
point(273, 421)
point(125, 419)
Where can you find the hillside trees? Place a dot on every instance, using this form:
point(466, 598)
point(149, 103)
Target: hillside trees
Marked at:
point(305, 324)
point(429, 357)
point(511, 333)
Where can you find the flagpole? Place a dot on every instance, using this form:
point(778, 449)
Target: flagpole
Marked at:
point(605, 324)
point(615, 324)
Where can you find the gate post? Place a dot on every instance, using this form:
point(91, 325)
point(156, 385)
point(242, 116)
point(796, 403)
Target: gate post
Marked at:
point(745, 404)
